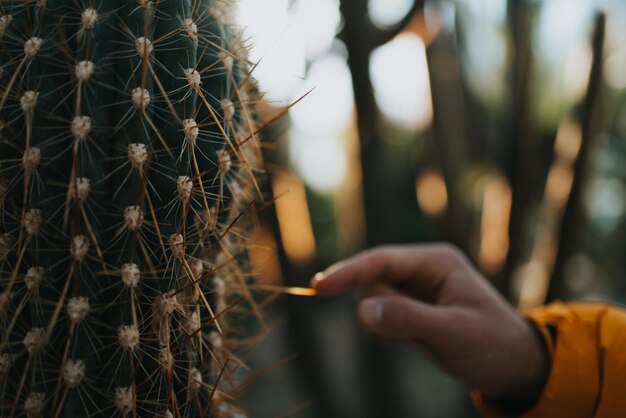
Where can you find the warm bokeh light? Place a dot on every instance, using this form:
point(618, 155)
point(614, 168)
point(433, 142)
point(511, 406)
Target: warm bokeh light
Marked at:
point(494, 227)
point(559, 184)
point(401, 82)
point(432, 194)
point(561, 174)
point(294, 219)
point(264, 258)
point(568, 141)
point(351, 228)
point(533, 278)
point(534, 281)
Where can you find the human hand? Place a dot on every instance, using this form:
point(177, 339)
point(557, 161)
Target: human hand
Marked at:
point(432, 296)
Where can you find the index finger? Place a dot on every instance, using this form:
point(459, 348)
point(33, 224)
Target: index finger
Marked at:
point(424, 267)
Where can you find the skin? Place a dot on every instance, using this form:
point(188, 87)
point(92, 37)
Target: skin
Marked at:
point(431, 296)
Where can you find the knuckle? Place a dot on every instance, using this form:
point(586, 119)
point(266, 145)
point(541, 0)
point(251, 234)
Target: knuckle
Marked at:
point(378, 256)
point(381, 251)
point(451, 253)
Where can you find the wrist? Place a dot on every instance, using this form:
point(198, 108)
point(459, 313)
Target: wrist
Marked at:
point(529, 383)
point(538, 366)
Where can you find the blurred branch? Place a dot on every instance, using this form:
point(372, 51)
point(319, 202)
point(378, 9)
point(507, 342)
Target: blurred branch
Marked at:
point(572, 222)
point(390, 207)
point(389, 202)
point(521, 143)
point(374, 36)
point(355, 33)
point(449, 125)
point(382, 36)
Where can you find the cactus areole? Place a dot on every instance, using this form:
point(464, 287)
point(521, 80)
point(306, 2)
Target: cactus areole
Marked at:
point(128, 156)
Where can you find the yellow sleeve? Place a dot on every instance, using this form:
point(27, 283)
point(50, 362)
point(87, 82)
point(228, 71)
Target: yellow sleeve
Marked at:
point(587, 347)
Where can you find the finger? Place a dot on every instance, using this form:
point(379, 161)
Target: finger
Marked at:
point(426, 266)
point(377, 289)
point(400, 317)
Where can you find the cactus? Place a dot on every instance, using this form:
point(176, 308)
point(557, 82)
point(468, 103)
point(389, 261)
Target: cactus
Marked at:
point(128, 166)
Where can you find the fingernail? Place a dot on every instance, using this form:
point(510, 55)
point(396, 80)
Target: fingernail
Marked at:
point(316, 279)
point(371, 313)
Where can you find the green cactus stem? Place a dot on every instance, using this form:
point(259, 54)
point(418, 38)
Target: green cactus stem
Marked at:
point(128, 166)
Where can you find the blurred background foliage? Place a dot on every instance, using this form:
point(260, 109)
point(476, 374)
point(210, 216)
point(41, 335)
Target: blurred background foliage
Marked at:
point(497, 125)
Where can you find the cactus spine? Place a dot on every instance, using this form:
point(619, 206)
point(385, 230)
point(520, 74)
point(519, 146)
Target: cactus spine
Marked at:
point(128, 159)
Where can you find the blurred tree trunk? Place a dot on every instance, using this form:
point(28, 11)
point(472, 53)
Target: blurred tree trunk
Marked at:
point(573, 222)
point(519, 159)
point(450, 129)
point(390, 206)
point(300, 314)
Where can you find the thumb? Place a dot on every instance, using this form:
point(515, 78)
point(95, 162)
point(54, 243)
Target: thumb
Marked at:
point(400, 317)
